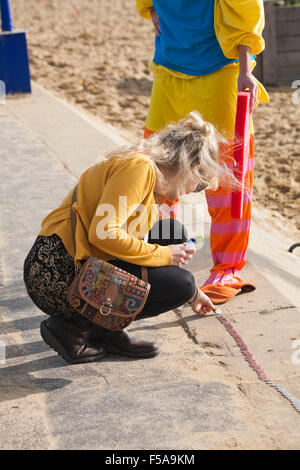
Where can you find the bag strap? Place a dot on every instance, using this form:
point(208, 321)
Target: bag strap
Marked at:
point(144, 273)
point(73, 219)
point(73, 228)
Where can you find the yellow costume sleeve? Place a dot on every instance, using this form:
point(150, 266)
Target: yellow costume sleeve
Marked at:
point(239, 22)
point(143, 6)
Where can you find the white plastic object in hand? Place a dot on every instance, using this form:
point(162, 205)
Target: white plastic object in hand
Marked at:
point(190, 243)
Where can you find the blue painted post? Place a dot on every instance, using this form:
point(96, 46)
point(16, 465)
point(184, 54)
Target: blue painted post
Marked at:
point(6, 16)
point(14, 63)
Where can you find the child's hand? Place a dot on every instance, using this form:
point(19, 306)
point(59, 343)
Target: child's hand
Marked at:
point(246, 80)
point(155, 20)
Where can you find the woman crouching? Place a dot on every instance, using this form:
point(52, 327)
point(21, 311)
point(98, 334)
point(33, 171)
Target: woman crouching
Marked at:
point(177, 161)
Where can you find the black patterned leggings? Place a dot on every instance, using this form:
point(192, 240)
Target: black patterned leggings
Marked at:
point(49, 271)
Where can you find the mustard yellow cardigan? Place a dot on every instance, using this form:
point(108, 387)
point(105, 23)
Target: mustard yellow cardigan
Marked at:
point(109, 226)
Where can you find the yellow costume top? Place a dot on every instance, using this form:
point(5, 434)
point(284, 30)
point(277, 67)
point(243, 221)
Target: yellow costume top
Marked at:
point(236, 22)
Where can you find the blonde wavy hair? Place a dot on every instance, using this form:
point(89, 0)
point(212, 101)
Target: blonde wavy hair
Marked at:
point(181, 147)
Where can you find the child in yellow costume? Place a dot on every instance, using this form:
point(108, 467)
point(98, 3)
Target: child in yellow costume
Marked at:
point(202, 60)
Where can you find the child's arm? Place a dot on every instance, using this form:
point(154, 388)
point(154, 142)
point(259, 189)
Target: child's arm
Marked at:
point(246, 79)
point(239, 23)
point(143, 8)
point(155, 21)
point(146, 10)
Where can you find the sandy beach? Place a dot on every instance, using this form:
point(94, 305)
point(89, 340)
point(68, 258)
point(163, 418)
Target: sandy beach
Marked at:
point(97, 57)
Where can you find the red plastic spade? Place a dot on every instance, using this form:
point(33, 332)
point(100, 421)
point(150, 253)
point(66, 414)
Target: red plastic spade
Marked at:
point(241, 150)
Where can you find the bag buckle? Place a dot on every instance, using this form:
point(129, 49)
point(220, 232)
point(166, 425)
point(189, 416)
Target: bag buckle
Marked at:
point(108, 305)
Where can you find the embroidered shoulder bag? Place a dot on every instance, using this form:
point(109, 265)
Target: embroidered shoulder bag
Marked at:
point(104, 293)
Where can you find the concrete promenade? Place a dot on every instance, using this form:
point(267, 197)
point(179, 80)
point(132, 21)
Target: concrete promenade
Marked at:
point(199, 392)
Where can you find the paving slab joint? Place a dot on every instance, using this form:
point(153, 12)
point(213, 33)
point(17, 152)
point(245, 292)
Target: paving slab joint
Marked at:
point(185, 326)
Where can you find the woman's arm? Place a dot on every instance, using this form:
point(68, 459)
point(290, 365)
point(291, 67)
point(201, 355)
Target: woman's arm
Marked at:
point(112, 227)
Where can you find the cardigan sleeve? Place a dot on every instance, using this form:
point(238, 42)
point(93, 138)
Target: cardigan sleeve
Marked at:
point(115, 224)
point(143, 6)
point(239, 22)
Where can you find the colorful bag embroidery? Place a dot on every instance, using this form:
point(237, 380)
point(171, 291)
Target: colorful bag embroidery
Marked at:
point(105, 294)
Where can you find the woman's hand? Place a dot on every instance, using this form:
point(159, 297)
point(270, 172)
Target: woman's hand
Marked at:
point(180, 254)
point(155, 20)
point(246, 80)
point(201, 304)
